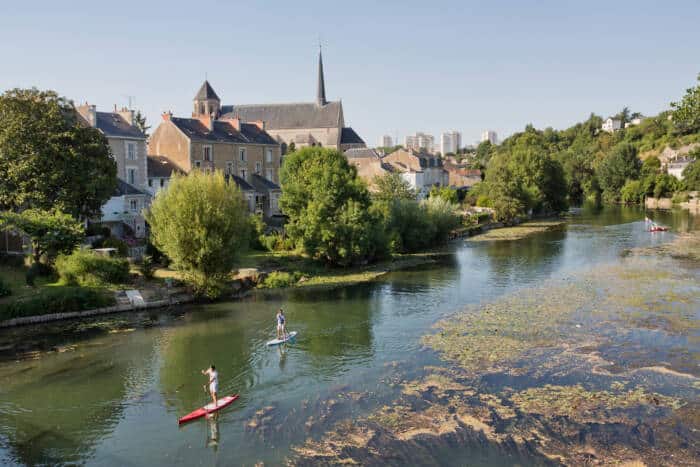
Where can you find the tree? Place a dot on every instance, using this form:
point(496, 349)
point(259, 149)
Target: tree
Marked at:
point(51, 232)
point(691, 176)
point(201, 223)
point(620, 165)
point(665, 185)
point(444, 192)
point(686, 113)
point(392, 186)
point(48, 159)
point(632, 192)
point(328, 207)
point(140, 121)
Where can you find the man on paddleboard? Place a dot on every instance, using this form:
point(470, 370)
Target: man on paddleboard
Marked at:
point(281, 325)
point(213, 381)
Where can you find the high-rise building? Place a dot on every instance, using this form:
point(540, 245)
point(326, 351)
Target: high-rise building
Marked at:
point(420, 142)
point(450, 142)
point(386, 142)
point(489, 135)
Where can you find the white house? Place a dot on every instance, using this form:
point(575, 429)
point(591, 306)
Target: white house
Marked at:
point(422, 170)
point(125, 208)
point(677, 166)
point(611, 125)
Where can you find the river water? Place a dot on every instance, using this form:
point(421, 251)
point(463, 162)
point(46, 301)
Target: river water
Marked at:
point(109, 391)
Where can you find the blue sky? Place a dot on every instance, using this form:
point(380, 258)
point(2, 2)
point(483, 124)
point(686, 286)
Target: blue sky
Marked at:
point(399, 67)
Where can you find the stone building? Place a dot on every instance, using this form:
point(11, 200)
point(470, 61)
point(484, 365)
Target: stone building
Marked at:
point(422, 170)
point(319, 123)
point(369, 165)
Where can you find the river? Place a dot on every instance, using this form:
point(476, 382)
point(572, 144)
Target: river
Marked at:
point(109, 390)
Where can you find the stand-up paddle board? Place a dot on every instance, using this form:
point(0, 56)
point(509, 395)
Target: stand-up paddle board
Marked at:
point(207, 409)
point(289, 337)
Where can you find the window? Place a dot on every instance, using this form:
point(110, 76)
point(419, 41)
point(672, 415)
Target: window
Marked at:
point(162, 182)
point(206, 154)
point(197, 164)
point(131, 176)
point(229, 168)
point(269, 174)
point(134, 205)
point(241, 153)
point(268, 155)
point(243, 173)
point(258, 167)
point(150, 182)
point(131, 151)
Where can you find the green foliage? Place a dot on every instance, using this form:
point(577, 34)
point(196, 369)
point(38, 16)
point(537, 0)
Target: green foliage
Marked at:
point(280, 279)
point(651, 166)
point(48, 159)
point(620, 165)
point(391, 187)
point(140, 122)
point(413, 226)
point(51, 232)
point(665, 185)
point(201, 223)
point(257, 232)
point(4, 289)
point(147, 267)
point(691, 176)
point(118, 244)
point(686, 113)
point(89, 269)
point(680, 197)
point(57, 300)
point(328, 207)
point(633, 192)
point(445, 192)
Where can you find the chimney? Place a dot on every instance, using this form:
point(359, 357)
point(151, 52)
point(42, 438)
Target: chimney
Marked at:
point(128, 115)
point(260, 124)
point(89, 113)
point(207, 121)
point(167, 115)
point(235, 122)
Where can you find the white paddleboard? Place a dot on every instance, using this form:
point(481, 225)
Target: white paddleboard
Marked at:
point(290, 336)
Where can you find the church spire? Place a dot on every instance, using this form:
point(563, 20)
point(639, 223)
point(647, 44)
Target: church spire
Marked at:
point(321, 92)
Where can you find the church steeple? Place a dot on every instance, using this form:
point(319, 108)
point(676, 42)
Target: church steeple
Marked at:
point(206, 102)
point(321, 92)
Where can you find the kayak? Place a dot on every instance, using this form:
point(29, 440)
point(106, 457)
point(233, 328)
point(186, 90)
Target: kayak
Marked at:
point(207, 409)
point(658, 229)
point(289, 337)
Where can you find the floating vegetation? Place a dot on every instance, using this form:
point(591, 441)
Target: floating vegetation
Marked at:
point(684, 246)
point(519, 231)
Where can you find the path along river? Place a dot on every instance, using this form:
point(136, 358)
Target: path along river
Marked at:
point(109, 391)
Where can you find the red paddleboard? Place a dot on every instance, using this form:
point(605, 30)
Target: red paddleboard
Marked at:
point(209, 408)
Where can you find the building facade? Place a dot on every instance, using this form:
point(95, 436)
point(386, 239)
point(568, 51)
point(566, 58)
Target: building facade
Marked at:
point(128, 146)
point(420, 142)
point(490, 136)
point(422, 170)
point(611, 125)
point(160, 171)
point(450, 142)
point(386, 142)
point(369, 165)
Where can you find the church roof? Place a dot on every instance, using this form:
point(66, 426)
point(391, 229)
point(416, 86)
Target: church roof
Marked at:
point(289, 116)
point(206, 92)
point(223, 132)
point(348, 136)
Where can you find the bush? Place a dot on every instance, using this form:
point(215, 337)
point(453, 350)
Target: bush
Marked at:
point(148, 267)
point(680, 197)
point(484, 201)
point(87, 268)
point(633, 192)
point(665, 185)
point(4, 289)
point(120, 245)
point(13, 261)
point(57, 300)
point(280, 279)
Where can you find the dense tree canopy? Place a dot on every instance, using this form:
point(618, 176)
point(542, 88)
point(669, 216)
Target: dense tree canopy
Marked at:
point(201, 223)
point(686, 113)
point(620, 165)
point(48, 159)
point(392, 186)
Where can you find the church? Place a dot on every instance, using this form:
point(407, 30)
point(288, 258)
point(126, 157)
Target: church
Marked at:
point(319, 123)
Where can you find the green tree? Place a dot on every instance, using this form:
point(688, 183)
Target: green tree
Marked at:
point(686, 113)
point(633, 192)
point(328, 207)
point(620, 165)
point(691, 176)
point(665, 185)
point(48, 159)
point(444, 192)
point(201, 223)
point(392, 186)
point(51, 232)
point(140, 121)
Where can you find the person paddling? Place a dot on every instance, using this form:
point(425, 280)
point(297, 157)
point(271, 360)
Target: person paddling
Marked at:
point(213, 382)
point(281, 325)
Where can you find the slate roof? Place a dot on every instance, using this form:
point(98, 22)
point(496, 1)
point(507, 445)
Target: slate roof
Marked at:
point(124, 188)
point(288, 116)
point(223, 132)
point(348, 136)
point(242, 184)
point(362, 153)
point(206, 92)
point(113, 124)
point(161, 167)
point(262, 184)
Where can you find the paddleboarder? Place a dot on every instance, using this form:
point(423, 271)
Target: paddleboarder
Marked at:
point(281, 325)
point(213, 381)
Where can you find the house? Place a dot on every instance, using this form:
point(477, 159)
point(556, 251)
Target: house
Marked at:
point(318, 123)
point(459, 176)
point(422, 170)
point(677, 166)
point(122, 213)
point(369, 165)
point(611, 125)
point(634, 122)
point(246, 189)
point(160, 170)
point(267, 195)
point(128, 146)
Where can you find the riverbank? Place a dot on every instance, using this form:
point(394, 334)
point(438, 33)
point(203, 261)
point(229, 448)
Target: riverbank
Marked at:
point(519, 231)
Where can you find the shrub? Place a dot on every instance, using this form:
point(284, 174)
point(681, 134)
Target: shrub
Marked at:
point(269, 242)
point(57, 300)
point(148, 267)
point(280, 279)
point(665, 185)
point(484, 201)
point(86, 268)
point(633, 192)
point(4, 289)
point(120, 245)
point(14, 261)
point(680, 197)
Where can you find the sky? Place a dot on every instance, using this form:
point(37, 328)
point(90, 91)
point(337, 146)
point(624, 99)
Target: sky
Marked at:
point(398, 66)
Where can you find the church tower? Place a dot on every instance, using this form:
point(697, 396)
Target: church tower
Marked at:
point(321, 91)
point(206, 102)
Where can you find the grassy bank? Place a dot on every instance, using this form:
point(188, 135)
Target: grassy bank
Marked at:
point(519, 231)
